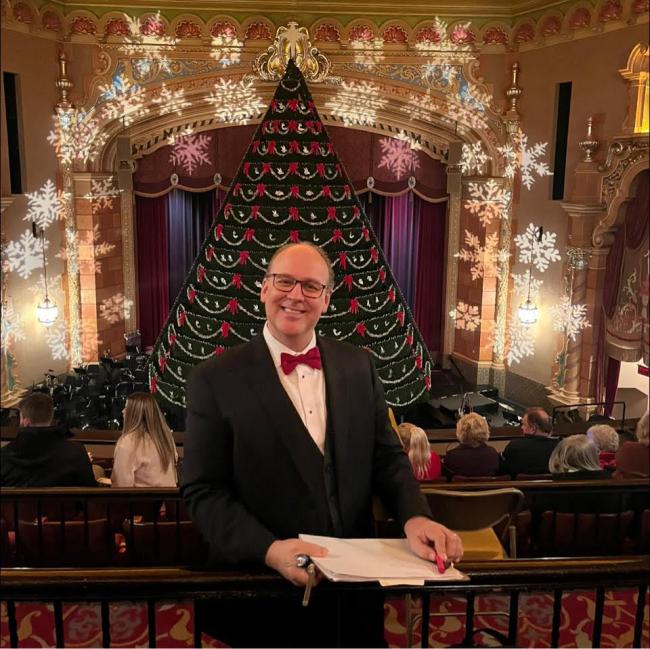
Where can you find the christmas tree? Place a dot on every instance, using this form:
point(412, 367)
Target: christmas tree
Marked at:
point(290, 187)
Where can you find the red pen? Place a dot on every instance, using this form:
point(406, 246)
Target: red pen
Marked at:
point(439, 563)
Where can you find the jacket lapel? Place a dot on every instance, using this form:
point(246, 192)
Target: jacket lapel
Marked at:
point(281, 416)
point(338, 404)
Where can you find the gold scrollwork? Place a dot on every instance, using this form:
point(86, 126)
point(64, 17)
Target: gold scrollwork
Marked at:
point(292, 42)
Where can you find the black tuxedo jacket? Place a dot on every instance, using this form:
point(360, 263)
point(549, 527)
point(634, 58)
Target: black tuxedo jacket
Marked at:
point(248, 468)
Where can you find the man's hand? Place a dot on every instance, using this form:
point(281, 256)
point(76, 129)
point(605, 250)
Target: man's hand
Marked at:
point(281, 556)
point(423, 535)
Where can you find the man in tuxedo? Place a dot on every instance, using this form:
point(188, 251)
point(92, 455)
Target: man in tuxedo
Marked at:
point(288, 434)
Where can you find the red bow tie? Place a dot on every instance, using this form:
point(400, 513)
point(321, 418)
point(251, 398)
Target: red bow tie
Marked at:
point(289, 362)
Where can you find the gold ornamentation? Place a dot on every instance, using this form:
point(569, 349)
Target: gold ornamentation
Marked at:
point(512, 94)
point(589, 144)
point(63, 84)
point(292, 42)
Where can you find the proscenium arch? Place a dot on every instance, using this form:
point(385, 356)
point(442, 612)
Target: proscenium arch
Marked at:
point(147, 132)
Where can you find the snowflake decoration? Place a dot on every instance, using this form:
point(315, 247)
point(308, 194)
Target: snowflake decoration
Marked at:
point(115, 308)
point(398, 157)
point(226, 49)
point(235, 103)
point(414, 141)
point(442, 76)
point(100, 248)
point(517, 156)
point(153, 44)
point(90, 340)
point(56, 339)
point(102, 193)
point(483, 258)
point(76, 137)
point(521, 282)
point(463, 117)
point(467, 317)
point(488, 201)
point(368, 53)
point(190, 152)
point(541, 252)
point(171, 101)
point(422, 107)
point(46, 205)
point(521, 342)
point(25, 255)
point(123, 100)
point(53, 286)
point(569, 318)
point(473, 158)
point(357, 103)
point(12, 329)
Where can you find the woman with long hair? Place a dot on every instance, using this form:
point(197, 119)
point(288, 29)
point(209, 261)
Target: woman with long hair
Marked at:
point(425, 462)
point(145, 453)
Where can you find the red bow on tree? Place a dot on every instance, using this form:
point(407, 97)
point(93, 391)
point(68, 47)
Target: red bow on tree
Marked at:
point(289, 362)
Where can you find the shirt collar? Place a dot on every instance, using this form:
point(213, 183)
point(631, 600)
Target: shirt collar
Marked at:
point(277, 348)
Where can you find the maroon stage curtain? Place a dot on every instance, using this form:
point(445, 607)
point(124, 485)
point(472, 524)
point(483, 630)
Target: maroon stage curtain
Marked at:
point(153, 266)
point(430, 273)
point(611, 383)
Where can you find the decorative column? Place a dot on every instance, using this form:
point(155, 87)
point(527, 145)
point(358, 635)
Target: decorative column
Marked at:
point(99, 231)
point(454, 178)
point(573, 374)
point(512, 120)
point(64, 109)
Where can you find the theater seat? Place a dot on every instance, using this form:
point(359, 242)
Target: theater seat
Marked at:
point(475, 514)
point(165, 543)
point(566, 534)
point(64, 543)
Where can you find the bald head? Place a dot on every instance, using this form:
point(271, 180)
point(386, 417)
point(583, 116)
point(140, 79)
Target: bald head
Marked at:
point(305, 245)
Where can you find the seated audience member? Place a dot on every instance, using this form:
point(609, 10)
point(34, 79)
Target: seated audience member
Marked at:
point(425, 462)
point(576, 458)
point(633, 458)
point(530, 453)
point(145, 453)
point(606, 440)
point(473, 457)
point(41, 456)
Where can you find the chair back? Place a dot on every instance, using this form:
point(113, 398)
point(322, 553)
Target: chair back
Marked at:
point(64, 543)
point(474, 510)
point(571, 535)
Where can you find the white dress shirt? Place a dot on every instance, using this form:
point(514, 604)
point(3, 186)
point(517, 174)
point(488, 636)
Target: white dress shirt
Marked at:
point(305, 386)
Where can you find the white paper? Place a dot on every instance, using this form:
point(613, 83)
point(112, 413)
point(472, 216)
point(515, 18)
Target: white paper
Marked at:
point(389, 561)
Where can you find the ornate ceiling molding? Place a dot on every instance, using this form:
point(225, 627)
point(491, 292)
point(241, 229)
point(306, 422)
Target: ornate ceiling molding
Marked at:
point(496, 26)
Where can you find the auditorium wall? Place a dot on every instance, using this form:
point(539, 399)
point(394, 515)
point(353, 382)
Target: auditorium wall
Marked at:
point(598, 90)
point(35, 348)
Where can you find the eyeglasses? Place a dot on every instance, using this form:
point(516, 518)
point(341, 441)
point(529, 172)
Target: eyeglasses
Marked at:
point(309, 287)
